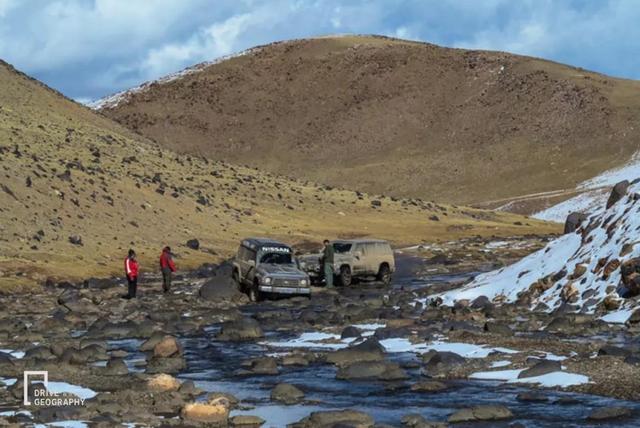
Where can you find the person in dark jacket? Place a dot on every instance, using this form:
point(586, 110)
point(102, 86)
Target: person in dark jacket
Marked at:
point(131, 271)
point(327, 262)
point(167, 266)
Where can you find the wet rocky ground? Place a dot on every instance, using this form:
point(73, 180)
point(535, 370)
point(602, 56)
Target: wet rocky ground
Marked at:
point(360, 356)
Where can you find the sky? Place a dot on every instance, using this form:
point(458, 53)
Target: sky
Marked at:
point(88, 49)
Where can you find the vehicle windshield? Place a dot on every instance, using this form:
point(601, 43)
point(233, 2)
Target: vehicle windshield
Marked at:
point(276, 258)
point(341, 247)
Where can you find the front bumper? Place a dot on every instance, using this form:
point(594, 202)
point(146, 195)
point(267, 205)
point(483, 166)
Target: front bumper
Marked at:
point(284, 290)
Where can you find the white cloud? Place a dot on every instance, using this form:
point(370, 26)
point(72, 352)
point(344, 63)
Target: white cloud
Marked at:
point(91, 48)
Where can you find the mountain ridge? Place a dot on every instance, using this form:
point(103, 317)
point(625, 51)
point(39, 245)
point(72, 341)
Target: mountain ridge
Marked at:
point(397, 117)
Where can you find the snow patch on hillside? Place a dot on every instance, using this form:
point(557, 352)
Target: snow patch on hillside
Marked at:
point(595, 192)
point(114, 100)
point(598, 242)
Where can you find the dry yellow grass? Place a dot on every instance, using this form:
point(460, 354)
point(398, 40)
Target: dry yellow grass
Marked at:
point(67, 171)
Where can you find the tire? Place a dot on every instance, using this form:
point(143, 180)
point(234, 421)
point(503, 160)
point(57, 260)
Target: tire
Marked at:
point(384, 274)
point(236, 279)
point(255, 295)
point(345, 276)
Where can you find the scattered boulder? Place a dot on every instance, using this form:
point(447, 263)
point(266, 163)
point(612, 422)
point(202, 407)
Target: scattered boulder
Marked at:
point(498, 328)
point(618, 192)
point(151, 342)
point(428, 386)
point(379, 370)
point(481, 413)
point(339, 418)
point(240, 330)
point(573, 221)
point(532, 397)
point(263, 366)
point(75, 240)
point(606, 413)
point(541, 368)
point(614, 351)
point(246, 421)
point(194, 244)
point(116, 367)
point(349, 332)
point(369, 350)
point(287, 394)
point(418, 421)
point(167, 347)
point(163, 383)
point(216, 412)
point(221, 287)
point(630, 271)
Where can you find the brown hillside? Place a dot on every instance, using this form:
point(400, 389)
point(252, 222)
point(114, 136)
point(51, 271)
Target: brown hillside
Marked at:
point(396, 117)
point(67, 171)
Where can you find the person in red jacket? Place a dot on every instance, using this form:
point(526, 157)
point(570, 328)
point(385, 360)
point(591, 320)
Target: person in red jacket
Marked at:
point(167, 266)
point(131, 270)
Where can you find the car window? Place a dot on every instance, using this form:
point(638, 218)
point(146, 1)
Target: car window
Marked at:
point(276, 258)
point(341, 247)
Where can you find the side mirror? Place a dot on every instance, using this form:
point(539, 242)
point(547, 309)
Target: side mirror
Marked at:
point(357, 254)
point(251, 262)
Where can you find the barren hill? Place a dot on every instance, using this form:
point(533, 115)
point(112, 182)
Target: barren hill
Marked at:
point(78, 190)
point(395, 117)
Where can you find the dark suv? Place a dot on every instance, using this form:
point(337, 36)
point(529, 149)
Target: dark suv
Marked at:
point(266, 266)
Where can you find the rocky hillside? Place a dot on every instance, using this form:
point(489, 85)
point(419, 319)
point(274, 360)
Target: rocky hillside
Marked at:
point(396, 117)
point(78, 191)
point(594, 269)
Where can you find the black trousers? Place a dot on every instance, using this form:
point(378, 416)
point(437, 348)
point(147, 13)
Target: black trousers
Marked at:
point(133, 287)
point(166, 280)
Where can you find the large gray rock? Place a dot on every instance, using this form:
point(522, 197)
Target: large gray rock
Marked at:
point(369, 350)
point(541, 368)
point(240, 330)
point(480, 413)
point(609, 413)
point(287, 394)
point(618, 192)
point(378, 370)
point(573, 221)
point(221, 286)
point(340, 418)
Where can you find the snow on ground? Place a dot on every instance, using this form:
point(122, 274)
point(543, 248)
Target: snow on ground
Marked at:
point(509, 281)
point(15, 354)
point(61, 388)
point(617, 317)
point(322, 340)
point(68, 388)
point(595, 192)
point(588, 202)
point(610, 230)
point(549, 380)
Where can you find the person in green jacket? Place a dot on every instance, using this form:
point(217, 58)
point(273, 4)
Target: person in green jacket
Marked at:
point(327, 261)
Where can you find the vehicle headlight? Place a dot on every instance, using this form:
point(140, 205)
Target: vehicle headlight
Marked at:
point(267, 280)
point(304, 282)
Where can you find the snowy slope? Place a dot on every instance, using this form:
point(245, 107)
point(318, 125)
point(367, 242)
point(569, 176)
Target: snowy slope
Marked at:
point(594, 192)
point(597, 246)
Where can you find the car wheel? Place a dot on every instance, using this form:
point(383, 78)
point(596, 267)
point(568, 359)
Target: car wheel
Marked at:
point(255, 295)
point(345, 276)
point(236, 279)
point(384, 274)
